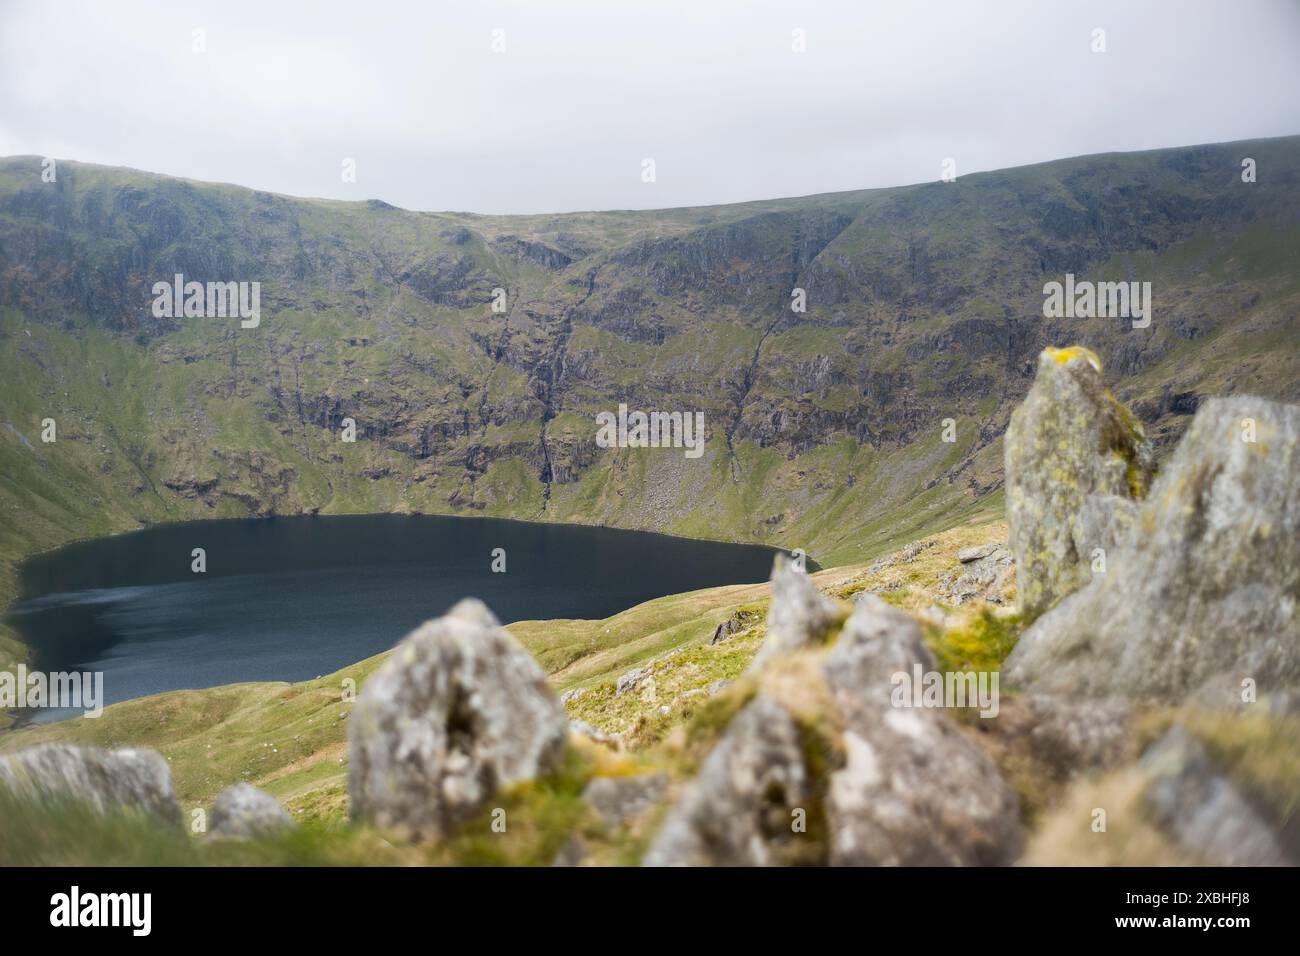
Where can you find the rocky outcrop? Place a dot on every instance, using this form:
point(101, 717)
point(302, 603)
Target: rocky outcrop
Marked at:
point(913, 790)
point(1206, 591)
point(1199, 808)
point(987, 574)
point(875, 780)
point(739, 811)
point(244, 812)
point(738, 622)
point(799, 615)
point(458, 711)
point(1074, 458)
point(136, 780)
point(631, 680)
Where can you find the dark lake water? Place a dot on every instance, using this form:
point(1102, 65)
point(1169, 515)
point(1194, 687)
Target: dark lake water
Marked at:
point(295, 597)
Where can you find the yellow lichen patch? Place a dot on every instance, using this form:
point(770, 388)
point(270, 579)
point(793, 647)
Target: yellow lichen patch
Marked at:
point(1066, 355)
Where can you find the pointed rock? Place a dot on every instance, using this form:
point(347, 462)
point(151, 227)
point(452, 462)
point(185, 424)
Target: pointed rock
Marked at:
point(458, 711)
point(799, 615)
point(913, 790)
point(1070, 441)
point(738, 811)
point(1208, 583)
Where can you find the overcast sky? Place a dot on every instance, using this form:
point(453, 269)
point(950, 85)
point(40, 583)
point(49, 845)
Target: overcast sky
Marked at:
point(585, 90)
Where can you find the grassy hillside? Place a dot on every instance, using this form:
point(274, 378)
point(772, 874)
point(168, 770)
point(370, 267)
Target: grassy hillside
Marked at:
point(291, 739)
point(824, 428)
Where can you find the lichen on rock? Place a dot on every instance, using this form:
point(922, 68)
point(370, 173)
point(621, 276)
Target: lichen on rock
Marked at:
point(457, 712)
point(1206, 587)
point(1074, 456)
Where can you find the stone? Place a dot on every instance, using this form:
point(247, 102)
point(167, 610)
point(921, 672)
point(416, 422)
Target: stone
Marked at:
point(738, 622)
point(1201, 810)
point(1075, 736)
point(136, 780)
point(738, 810)
point(1069, 440)
point(913, 791)
point(967, 555)
point(986, 574)
point(799, 615)
point(1208, 582)
point(245, 812)
point(458, 711)
point(616, 800)
point(631, 680)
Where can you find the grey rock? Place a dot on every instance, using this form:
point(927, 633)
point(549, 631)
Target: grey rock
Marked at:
point(111, 781)
point(1069, 440)
point(1074, 736)
point(738, 622)
point(913, 790)
point(617, 800)
point(717, 687)
point(572, 853)
point(738, 810)
point(1103, 523)
point(911, 552)
point(799, 615)
point(458, 711)
point(1208, 582)
point(1200, 809)
point(574, 693)
point(986, 571)
point(245, 812)
point(967, 555)
point(631, 680)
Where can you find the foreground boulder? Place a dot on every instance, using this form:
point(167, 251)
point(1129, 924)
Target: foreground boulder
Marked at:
point(739, 810)
point(243, 812)
point(1076, 460)
point(826, 764)
point(458, 711)
point(1199, 808)
point(799, 615)
point(137, 780)
point(1206, 591)
point(913, 791)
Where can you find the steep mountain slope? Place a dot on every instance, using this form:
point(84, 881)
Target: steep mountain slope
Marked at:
point(824, 428)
